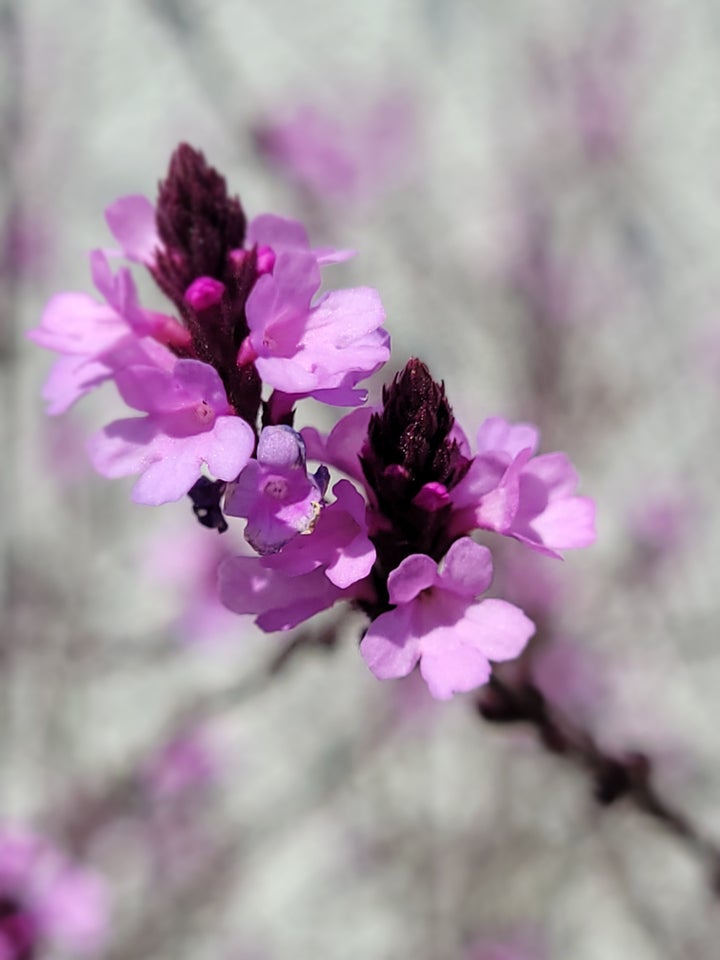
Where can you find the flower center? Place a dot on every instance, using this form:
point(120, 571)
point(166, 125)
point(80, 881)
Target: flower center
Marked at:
point(276, 488)
point(204, 412)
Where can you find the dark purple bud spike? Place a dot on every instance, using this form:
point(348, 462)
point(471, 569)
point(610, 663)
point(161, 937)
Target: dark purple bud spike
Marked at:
point(203, 231)
point(198, 222)
point(408, 446)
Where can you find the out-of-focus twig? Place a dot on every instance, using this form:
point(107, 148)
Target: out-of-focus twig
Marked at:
point(627, 777)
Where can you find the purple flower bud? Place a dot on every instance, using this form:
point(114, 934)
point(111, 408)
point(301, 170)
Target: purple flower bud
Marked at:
point(204, 292)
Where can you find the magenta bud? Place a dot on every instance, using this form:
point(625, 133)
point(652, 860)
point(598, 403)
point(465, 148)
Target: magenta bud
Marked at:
point(204, 292)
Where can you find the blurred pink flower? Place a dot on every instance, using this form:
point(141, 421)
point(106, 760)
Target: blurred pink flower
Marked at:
point(45, 899)
point(569, 676)
point(660, 525)
point(185, 764)
point(349, 155)
point(189, 563)
point(515, 946)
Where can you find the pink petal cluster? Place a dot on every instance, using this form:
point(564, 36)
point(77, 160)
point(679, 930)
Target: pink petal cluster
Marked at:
point(183, 375)
point(438, 622)
point(310, 574)
point(47, 899)
point(188, 424)
point(531, 498)
point(304, 348)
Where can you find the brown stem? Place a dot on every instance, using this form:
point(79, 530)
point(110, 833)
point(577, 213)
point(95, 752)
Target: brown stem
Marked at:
point(625, 777)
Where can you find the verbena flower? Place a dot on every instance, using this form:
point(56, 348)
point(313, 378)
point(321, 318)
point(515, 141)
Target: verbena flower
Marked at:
point(531, 498)
point(305, 348)
point(275, 493)
point(438, 621)
point(97, 339)
point(188, 423)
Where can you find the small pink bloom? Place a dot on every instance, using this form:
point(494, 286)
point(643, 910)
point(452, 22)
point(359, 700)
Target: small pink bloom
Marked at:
point(515, 946)
point(305, 349)
point(188, 423)
point(184, 764)
point(351, 156)
point(530, 498)
point(661, 523)
point(310, 574)
point(275, 493)
point(339, 542)
point(186, 564)
point(98, 339)
point(569, 676)
point(438, 622)
point(47, 899)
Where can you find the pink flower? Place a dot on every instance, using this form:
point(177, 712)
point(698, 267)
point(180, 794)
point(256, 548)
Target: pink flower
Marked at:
point(275, 492)
point(438, 622)
point(310, 574)
point(188, 423)
point(529, 498)
point(339, 542)
point(351, 156)
point(569, 676)
point(184, 764)
point(46, 899)
point(186, 566)
point(660, 526)
point(305, 349)
point(98, 339)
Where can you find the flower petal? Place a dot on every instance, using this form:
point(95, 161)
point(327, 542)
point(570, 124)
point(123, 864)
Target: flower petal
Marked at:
point(499, 629)
point(390, 647)
point(131, 221)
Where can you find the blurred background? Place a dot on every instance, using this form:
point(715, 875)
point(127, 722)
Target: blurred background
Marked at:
point(534, 189)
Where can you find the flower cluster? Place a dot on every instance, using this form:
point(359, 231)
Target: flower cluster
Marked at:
point(216, 381)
